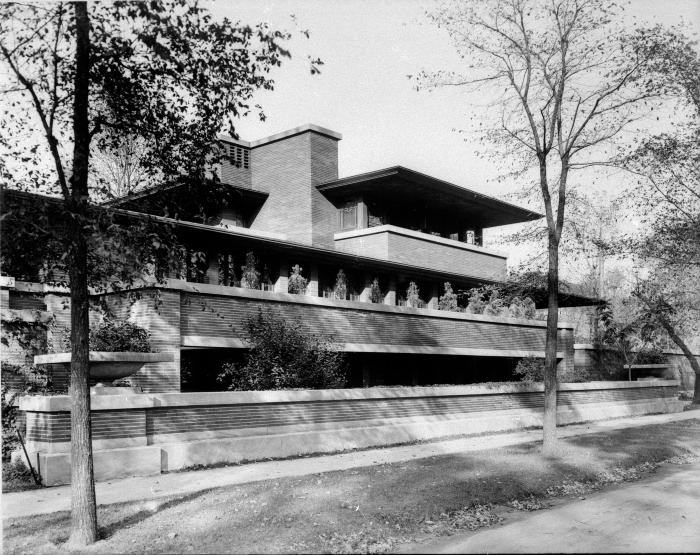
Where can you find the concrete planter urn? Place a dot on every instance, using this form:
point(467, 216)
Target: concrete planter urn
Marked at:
point(107, 366)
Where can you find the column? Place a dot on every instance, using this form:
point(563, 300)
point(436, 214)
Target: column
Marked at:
point(282, 283)
point(312, 284)
point(390, 297)
point(212, 269)
point(362, 215)
point(366, 293)
point(434, 297)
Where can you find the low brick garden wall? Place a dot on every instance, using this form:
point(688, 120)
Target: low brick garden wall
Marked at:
point(150, 433)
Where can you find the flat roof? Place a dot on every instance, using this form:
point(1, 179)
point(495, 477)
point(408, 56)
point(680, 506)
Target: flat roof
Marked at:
point(400, 182)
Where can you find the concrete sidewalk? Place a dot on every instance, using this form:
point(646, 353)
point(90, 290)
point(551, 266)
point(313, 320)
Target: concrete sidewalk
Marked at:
point(54, 499)
point(660, 514)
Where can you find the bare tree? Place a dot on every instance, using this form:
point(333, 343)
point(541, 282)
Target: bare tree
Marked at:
point(121, 169)
point(563, 87)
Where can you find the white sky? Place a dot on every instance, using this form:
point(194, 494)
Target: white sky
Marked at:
point(369, 48)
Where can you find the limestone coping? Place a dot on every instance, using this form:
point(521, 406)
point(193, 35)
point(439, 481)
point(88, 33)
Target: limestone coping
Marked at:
point(339, 236)
point(642, 366)
point(61, 403)
point(222, 290)
point(282, 135)
point(106, 356)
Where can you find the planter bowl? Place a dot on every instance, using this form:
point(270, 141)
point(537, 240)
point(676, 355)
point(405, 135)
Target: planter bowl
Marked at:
point(109, 366)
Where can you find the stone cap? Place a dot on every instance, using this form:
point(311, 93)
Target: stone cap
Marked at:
point(282, 135)
point(61, 403)
point(106, 356)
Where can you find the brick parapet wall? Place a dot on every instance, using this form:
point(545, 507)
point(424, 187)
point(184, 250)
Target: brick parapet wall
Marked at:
point(156, 311)
point(218, 316)
point(172, 417)
point(395, 246)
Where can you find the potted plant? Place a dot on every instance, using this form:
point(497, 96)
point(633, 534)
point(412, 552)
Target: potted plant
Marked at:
point(340, 290)
point(117, 350)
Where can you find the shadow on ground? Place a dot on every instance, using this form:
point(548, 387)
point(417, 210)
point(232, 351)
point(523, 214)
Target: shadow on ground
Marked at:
point(366, 509)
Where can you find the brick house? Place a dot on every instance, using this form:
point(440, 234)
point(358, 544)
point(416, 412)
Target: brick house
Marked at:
point(286, 204)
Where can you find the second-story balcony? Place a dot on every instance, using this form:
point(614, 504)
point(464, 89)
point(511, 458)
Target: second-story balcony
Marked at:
point(406, 217)
point(396, 244)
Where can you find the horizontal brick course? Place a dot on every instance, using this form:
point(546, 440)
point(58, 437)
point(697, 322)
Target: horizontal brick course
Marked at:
point(157, 423)
point(219, 316)
point(395, 247)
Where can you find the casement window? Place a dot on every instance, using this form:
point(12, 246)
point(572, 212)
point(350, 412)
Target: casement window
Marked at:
point(239, 156)
point(348, 216)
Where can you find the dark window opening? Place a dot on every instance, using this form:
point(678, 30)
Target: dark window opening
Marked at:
point(239, 156)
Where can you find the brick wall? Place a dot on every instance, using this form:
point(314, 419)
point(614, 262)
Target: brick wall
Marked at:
point(239, 176)
point(198, 420)
point(289, 169)
point(388, 245)
point(375, 245)
point(224, 317)
point(324, 168)
point(158, 311)
point(283, 169)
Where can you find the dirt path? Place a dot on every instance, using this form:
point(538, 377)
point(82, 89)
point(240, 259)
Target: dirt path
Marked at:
point(659, 514)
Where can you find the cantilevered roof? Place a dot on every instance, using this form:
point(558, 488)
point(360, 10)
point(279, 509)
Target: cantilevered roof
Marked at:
point(172, 187)
point(399, 183)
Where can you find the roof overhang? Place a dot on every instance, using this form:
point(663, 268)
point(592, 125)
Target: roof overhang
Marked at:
point(181, 185)
point(212, 234)
point(410, 186)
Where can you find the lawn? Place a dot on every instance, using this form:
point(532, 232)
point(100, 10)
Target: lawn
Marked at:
point(372, 509)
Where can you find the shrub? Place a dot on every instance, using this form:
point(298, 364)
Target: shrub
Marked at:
point(530, 369)
point(117, 336)
point(413, 295)
point(375, 292)
point(476, 304)
point(522, 307)
point(250, 277)
point(449, 300)
point(24, 379)
point(340, 289)
point(283, 355)
point(496, 305)
point(492, 301)
point(297, 282)
point(9, 417)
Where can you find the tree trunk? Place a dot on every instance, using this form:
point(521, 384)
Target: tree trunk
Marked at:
point(688, 354)
point(83, 506)
point(549, 424)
